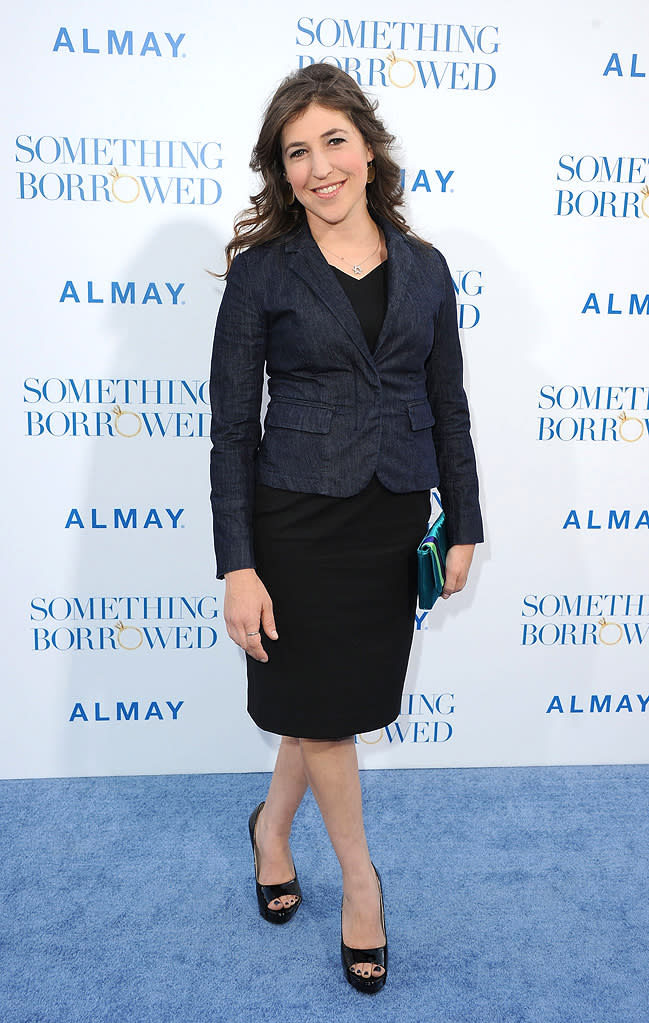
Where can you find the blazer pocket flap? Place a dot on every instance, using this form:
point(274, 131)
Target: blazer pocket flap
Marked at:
point(421, 415)
point(289, 416)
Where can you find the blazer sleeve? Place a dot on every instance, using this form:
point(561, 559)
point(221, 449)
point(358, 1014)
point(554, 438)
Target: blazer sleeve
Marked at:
point(451, 433)
point(236, 386)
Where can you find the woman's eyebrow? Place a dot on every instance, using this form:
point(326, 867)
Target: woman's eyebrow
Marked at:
point(325, 134)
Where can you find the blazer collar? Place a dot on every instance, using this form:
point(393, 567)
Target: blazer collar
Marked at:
point(306, 260)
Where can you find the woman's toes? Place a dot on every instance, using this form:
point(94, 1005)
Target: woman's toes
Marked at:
point(367, 970)
point(283, 902)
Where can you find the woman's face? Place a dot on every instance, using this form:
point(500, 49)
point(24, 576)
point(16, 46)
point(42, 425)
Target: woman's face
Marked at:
point(325, 160)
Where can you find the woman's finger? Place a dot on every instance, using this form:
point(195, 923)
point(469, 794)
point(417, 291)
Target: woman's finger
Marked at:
point(268, 620)
point(246, 605)
point(453, 584)
point(252, 644)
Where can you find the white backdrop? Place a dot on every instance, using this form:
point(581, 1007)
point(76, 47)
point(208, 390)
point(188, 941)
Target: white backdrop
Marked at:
point(127, 137)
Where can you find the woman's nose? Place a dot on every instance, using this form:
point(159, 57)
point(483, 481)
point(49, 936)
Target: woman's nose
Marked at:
point(320, 164)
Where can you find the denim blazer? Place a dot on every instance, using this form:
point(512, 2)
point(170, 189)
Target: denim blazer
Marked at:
point(337, 414)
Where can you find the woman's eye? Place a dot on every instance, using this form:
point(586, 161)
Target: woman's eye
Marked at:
point(336, 141)
point(296, 152)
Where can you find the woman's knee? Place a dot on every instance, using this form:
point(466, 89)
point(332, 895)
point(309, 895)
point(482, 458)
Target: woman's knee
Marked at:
point(322, 747)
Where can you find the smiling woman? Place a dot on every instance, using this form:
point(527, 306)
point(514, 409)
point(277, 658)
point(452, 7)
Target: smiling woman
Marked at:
point(327, 168)
point(275, 211)
point(316, 523)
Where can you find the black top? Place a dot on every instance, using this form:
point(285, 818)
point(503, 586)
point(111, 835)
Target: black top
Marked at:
point(368, 296)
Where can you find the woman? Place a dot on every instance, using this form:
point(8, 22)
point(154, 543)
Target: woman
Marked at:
point(316, 524)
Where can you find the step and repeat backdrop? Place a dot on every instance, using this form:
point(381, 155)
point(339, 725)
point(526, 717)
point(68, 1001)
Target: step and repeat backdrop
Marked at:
point(127, 132)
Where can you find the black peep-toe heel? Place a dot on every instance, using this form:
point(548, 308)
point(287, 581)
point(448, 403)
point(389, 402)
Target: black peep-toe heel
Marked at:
point(375, 956)
point(268, 892)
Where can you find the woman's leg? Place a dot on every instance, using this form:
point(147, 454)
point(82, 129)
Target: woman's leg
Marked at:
point(332, 772)
point(287, 787)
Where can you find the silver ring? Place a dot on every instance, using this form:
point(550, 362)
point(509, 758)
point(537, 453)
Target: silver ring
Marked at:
point(253, 633)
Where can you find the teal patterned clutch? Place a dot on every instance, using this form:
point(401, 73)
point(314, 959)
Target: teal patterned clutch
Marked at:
point(431, 564)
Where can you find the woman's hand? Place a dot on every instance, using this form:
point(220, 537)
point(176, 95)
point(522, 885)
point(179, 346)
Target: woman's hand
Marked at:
point(247, 608)
point(458, 563)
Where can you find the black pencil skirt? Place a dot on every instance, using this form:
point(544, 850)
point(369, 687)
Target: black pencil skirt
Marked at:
point(342, 575)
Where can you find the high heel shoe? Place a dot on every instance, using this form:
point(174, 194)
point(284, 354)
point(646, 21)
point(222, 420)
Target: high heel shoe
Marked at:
point(375, 956)
point(269, 892)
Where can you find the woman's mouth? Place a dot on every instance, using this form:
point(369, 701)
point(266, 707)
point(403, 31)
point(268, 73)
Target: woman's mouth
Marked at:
point(327, 191)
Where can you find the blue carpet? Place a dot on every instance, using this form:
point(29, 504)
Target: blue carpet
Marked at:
point(512, 896)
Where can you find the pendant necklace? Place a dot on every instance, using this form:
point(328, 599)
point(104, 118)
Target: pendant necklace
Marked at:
point(356, 267)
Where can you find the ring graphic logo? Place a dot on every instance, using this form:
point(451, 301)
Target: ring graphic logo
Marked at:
point(610, 192)
point(423, 718)
point(104, 623)
point(612, 518)
point(60, 407)
point(154, 710)
point(125, 518)
point(558, 619)
point(634, 304)
point(116, 185)
point(125, 293)
point(118, 43)
point(397, 54)
point(606, 704)
point(599, 413)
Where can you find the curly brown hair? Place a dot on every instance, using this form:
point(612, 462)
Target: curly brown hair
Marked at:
point(270, 215)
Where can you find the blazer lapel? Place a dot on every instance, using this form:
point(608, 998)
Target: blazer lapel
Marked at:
point(399, 268)
point(306, 260)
